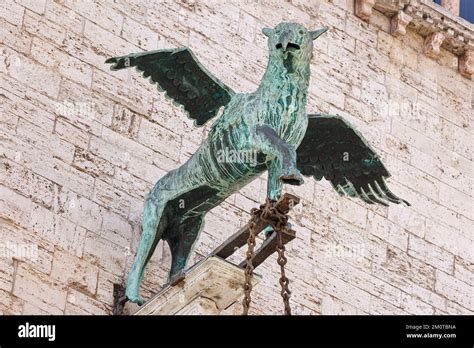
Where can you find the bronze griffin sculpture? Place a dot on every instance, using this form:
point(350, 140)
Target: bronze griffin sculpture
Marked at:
point(271, 124)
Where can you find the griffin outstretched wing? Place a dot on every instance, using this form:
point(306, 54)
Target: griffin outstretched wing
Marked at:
point(332, 149)
point(182, 77)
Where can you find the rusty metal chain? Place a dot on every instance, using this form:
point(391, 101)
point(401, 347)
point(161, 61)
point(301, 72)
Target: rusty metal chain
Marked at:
point(255, 213)
point(284, 281)
point(268, 213)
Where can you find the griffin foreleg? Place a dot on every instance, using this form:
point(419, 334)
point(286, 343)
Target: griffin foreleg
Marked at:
point(274, 184)
point(281, 169)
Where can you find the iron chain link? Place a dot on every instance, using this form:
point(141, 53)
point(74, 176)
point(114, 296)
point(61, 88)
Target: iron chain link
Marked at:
point(267, 213)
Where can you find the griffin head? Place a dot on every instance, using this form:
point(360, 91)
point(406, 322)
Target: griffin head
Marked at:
point(292, 40)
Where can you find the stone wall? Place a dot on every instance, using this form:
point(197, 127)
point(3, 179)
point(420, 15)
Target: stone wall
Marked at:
point(81, 146)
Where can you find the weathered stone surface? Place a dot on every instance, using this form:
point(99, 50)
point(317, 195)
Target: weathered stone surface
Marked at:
point(109, 256)
point(102, 14)
point(10, 304)
point(68, 236)
point(78, 303)
point(455, 290)
point(12, 11)
point(40, 290)
point(31, 72)
point(125, 121)
point(78, 209)
point(91, 164)
point(74, 272)
point(431, 254)
point(38, 25)
point(26, 182)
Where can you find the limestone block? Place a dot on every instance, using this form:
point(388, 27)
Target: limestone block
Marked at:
point(381, 307)
point(100, 13)
point(112, 198)
point(78, 303)
point(199, 306)
point(159, 139)
point(9, 304)
point(45, 141)
point(62, 15)
point(6, 272)
point(26, 182)
point(331, 305)
point(139, 35)
point(71, 270)
point(450, 239)
point(12, 37)
point(12, 12)
point(340, 289)
point(109, 256)
point(78, 209)
point(67, 66)
point(455, 290)
point(387, 231)
point(68, 235)
point(463, 270)
point(83, 108)
point(43, 28)
point(431, 254)
point(91, 164)
point(125, 121)
point(208, 288)
point(361, 31)
point(39, 289)
point(31, 73)
point(428, 296)
point(72, 134)
point(404, 267)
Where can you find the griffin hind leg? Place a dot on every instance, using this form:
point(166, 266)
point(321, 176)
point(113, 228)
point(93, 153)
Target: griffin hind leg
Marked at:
point(150, 236)
point(186, 218)
point(182, 243)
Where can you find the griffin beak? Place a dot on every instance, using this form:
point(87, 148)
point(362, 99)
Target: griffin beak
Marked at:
point(285, 40)
point(286, 43)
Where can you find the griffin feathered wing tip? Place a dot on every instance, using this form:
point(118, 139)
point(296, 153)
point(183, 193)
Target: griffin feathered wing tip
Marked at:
point(178, 73)
point(382, 190)
point(114, 62)
point(333, 149)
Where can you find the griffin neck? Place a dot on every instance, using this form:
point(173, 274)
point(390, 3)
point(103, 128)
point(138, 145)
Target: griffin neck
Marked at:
point(290, 77)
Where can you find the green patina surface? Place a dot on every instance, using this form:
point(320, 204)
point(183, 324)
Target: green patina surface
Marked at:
point(267, 129)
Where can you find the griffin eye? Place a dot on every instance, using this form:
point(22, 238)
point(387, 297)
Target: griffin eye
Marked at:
point(301, 32)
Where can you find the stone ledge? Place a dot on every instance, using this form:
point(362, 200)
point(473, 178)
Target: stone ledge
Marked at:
point(209, 287)
point(437, 25)
point(428, 18)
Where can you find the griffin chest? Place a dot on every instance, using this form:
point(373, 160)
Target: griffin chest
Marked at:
point(288, 113)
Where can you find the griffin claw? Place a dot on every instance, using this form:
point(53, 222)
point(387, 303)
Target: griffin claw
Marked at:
point(134, 297)
point(293, 177)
